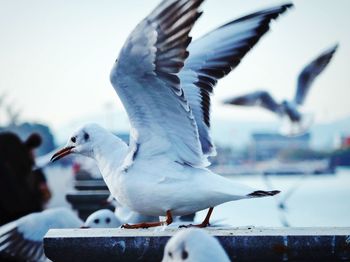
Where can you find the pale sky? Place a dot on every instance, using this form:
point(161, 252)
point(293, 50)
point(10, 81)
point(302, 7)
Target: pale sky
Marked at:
point(56, 55)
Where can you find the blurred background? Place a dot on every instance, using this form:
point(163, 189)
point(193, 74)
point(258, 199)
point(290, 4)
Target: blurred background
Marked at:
point(55, 63)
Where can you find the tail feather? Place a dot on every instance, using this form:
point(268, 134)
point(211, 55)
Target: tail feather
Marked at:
point(261, 193)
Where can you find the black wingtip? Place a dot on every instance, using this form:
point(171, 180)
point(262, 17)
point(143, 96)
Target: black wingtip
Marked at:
point(328, 53)
point(271, 12)
point(289, 5)
point(335, 47)
point(282, 8)
point(261, 193)
point(233, 101)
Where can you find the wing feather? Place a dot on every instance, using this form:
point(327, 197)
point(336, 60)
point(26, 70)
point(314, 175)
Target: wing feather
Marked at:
point(213, 56)
point(145, 78)
point(23, 239)
point(257, 98)
point(310, 73)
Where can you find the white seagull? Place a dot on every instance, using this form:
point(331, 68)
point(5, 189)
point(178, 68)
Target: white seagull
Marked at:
point(126, 215)
point(192, 245)
point(22, 239)
point(299, 122)
point(164, 83)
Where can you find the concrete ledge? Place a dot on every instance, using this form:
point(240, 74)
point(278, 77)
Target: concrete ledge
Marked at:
point(242, 244)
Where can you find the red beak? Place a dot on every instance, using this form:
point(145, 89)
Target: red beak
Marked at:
point(62, 153)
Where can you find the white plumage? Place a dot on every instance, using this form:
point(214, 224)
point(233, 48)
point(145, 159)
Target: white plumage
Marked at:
point(22, 239)
point(165, 84)
point(192, 245)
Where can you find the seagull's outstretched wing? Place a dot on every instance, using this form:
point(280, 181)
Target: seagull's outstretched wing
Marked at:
point(213, 56)
point(258, 98)
point(22, 239)
point(145, 78)
point(310, 72)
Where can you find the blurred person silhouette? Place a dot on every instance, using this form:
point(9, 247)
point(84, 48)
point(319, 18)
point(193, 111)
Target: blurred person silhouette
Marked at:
point(22, 190)
point(37, 177)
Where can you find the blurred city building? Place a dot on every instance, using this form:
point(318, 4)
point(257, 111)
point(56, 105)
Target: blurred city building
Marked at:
point(341, 156)
point(266, 146)
point(345, 142)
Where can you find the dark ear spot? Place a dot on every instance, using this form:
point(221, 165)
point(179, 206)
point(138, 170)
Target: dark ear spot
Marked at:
point(86, 136)
point(170, 254)
point(96, 221)
point(108, 220)
point(73, 139)
point(184, 254)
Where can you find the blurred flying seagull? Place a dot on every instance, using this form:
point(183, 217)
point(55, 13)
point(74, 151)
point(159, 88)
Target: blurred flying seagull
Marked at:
point(300, 122)
point(193, 245)
point(22, 239)
point(165, 83)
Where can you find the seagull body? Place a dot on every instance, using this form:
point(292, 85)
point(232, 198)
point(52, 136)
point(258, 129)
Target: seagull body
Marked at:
point(193, 245)
point(126, 215)
point(180, 188)
point(165, 85)
point(290, 108)
point(153, 185)
point(22, 239)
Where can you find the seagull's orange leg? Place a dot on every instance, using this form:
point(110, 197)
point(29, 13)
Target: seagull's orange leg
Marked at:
point(205, 222)
point(168, 221)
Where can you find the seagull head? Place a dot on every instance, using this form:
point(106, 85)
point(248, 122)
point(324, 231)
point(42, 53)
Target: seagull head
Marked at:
point(82, 142)
point(193, 245)
point(103, 218)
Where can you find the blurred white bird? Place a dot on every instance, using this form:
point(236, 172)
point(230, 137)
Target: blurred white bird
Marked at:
point(165, 85)
point(103, 218)
point(192, 245)
point(298, 122)
point(22, 239)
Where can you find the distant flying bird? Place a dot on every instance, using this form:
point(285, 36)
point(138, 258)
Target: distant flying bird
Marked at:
point(300, 122)
point(164, 83)
point(192, 245)
point(22, 239)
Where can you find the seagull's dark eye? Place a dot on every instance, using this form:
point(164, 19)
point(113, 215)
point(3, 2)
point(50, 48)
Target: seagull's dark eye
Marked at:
point(184, 254)
point(73, 139)
point(170, 254)
point(86, 136)
point(96, 221)
point(108, 220)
